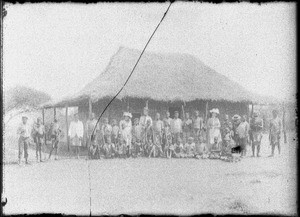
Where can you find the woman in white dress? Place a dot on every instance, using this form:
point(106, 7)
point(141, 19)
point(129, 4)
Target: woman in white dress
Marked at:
point(213, 128)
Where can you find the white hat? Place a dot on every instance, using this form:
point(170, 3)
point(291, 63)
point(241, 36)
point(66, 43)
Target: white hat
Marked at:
point(128, 114)
point(215, 110)
point(236, 116)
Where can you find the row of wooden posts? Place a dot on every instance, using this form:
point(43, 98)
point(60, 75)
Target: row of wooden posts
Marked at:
point(90, 111)
point(67, 124)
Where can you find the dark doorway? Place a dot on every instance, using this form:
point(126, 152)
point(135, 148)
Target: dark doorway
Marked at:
point(136, 115)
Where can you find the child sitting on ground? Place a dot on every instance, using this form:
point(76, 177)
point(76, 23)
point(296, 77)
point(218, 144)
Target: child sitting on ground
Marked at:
point(109, 148)
point(94, 152)
point(227, 145)
point(189, 148)
point(121, 149)
point(215, 150)
point(201, 149)
point(177, 149)
point(138, 148)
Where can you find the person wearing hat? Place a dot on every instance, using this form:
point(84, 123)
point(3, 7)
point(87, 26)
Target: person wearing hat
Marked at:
point(176, 127)
point(125, 130)
point(76, 134)
point(38, 133)
point(256, 127)
point(55, 132)
point(213, 128)
point(24, 131)
point(275, 132)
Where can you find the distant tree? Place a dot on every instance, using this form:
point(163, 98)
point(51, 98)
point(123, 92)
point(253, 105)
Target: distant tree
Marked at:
point(21, 97)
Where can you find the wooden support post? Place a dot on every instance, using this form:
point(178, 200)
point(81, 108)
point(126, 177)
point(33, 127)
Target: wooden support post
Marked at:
point(206, 111)
point(249, 112)
point(90, 107)
point(43, 111)
point(284, 123)
point(43, 114)
point(54, 113)
point(127, 104)
point(67, 128)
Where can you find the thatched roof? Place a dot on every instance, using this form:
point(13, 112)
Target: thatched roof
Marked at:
point(162, 77)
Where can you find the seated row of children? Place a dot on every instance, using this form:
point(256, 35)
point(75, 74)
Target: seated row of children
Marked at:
point(167, 146)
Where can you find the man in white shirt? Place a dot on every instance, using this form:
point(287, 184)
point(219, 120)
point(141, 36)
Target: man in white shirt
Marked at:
point(76, 133)
point(24, 131)
point(176, 127)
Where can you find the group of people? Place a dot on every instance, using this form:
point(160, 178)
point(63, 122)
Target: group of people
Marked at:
point(37, 132)
point(190, 137)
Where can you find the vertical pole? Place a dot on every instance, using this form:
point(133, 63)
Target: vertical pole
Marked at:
point(86, 136)
point(284, 124)
point(54, 111)
point(90, 107)
point(43, 114)
point(206, 111)
point(43, 111)
point(67, 128)
point(249, 112)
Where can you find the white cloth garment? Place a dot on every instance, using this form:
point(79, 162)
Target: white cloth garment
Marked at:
point(125, 129)
point(76, 128)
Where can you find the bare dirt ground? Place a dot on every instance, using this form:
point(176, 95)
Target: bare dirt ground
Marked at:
point(156, 186)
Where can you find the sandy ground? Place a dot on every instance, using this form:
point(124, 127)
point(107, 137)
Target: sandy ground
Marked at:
point(156, 186)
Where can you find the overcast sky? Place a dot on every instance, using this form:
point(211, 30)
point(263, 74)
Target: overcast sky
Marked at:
point(59, 48)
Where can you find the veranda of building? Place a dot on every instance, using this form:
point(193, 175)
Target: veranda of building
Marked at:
point(163, 82)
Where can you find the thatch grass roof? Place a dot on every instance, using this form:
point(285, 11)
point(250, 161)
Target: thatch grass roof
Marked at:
point(162, 77)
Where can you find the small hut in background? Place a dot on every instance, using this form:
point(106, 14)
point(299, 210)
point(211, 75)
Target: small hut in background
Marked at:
point(163, 82)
